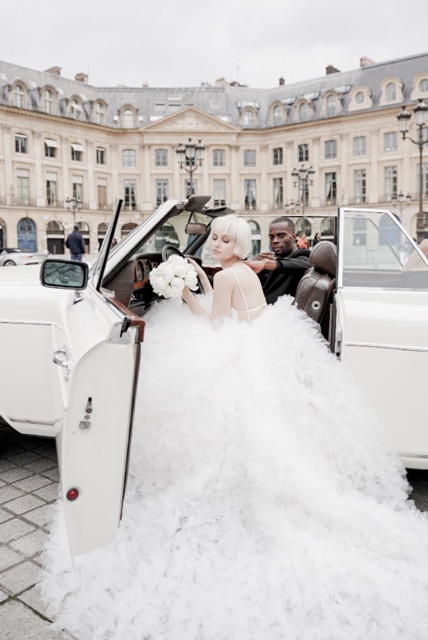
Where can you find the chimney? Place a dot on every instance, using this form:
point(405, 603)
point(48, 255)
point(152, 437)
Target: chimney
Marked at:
point(330, 69)
point(281, 82)
point(81, 77)
point(56, 71)
point(366, 62)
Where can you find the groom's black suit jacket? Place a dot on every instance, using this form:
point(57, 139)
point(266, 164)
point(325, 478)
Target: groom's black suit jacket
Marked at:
point(285, 278)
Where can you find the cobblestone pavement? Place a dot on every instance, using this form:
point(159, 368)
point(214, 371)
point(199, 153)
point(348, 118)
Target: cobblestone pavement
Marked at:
point(28, 489)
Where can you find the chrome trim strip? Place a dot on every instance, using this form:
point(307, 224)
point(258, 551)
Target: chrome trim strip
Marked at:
point(48, 423)
point(386, 346)
point(412, 454)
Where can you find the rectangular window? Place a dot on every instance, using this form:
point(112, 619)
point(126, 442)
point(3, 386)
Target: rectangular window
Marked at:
point(219, 193)
point(100, 155)
point(330, 188)
point(102, 196)
point(424, 178)
point(360, 146)
point(249, 158)
point(219, 159)
point(23, 188)
point(161, 157)
point(250, 194)
point(21, 144)
point(278, 193)
point(129, 158)
point(360, 186)
point(303, 153)
point(390, 141)
point(130, 194)
point(77, 188)
point(330, 149)
point(50, 148)
point(277, 156)
point(390, 182)
point(76, 152)
point(51, 193)
point(161, 191)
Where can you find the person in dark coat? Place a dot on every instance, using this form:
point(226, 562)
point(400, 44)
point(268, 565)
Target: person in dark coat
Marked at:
point(75, 243)
point(281, 270)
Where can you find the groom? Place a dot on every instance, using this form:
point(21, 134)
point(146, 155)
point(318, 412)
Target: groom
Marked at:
point(281, 270)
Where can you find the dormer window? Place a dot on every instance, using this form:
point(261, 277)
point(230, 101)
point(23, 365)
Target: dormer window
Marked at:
point(19, 96)
point(76, 110)
point(303, 112)
point(48, 101)
point(391, 92)
point(248, 119)
point(100, 113)
point(331, 105)
point(423, 85)
point(128, 119)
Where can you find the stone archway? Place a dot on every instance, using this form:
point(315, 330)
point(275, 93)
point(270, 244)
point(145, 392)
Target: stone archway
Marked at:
point(55, 237)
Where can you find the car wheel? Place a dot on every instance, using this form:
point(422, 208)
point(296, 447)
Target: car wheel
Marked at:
point(9, 263)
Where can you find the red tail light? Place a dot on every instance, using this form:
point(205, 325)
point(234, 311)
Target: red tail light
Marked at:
point(72, 494)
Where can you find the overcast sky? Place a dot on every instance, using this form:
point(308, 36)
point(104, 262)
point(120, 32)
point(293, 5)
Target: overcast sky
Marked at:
point(172, 43)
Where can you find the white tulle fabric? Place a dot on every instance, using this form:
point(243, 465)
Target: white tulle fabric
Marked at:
point(261, 502)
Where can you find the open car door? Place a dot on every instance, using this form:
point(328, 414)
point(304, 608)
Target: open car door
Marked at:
point(381, 324)
point(97, 350)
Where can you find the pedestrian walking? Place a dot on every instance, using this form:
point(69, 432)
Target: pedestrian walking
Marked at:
point(75, 243)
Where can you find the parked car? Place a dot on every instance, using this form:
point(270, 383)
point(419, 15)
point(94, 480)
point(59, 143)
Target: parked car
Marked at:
point(71, 338)
point(11, 257)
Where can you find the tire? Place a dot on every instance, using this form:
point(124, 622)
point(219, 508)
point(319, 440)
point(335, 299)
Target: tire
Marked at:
point(9, 263)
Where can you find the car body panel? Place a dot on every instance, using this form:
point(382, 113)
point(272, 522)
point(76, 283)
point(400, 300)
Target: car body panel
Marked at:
point(381, 308)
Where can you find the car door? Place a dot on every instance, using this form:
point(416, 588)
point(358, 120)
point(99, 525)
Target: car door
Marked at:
point(381, 324)
point(99, 341)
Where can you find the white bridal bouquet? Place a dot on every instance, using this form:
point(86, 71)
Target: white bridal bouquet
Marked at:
point(170, 277)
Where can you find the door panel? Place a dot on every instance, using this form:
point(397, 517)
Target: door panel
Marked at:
point(93, 443)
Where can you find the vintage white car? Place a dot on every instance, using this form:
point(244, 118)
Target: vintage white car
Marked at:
point(71, 338)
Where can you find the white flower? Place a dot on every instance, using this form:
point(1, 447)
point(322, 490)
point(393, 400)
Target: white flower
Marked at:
point(170, 277)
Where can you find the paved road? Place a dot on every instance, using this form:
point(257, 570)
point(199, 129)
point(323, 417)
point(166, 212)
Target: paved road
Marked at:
point(28, 489)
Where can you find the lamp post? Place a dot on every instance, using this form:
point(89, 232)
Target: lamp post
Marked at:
point(303, 178)
point(401, 200)
point(190, 156)
point(403, 118)
point(76, 205)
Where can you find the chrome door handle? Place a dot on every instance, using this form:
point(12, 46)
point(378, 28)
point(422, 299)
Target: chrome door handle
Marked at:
point(60, 357)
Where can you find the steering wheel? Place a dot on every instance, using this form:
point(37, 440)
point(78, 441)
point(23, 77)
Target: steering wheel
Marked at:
point(170, 250)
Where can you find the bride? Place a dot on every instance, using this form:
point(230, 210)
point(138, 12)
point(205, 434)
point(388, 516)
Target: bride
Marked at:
point(262, 502)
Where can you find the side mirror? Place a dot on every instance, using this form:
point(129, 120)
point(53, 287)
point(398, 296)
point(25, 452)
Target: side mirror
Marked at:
point(196, 229)
point(64, 274)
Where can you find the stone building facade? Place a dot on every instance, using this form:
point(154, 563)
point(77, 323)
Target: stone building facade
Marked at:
point(69, 150)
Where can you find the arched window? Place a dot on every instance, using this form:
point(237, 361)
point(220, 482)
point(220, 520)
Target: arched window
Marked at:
point(76, 110)
point(327, 228)
point(248, 119)
point(55, 236)
point(100, 113)
point(277, 115)
point(48, 101)
point(423, 85)
point(303, 112)
point(256, 238)
point(127, 228)
point(3, 242)
point(102, 230)
point(84, 230)
point(303, 224)
point(390, 92)
point(128, 119)
point(331, 105)
point(19, 96)
point(26, 228)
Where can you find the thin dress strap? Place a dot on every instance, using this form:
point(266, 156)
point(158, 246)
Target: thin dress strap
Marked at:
point(242, 294)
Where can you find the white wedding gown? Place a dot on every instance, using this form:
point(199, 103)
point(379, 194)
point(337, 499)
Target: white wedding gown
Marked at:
point(261, 502)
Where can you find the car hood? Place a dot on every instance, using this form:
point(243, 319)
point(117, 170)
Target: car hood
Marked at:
point(28, 274)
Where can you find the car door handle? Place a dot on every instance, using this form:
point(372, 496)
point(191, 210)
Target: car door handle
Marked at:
point(60, 357)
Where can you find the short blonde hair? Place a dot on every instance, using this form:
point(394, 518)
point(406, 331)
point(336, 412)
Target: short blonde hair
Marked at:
point(238, 229)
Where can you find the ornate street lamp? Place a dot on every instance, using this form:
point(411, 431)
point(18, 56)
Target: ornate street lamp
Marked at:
point(190, 156)
point(303, 178)
point(401, 200)
point(403, 118)
point(76, 205)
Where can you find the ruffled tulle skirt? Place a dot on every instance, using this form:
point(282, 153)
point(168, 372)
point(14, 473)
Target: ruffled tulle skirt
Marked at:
point(262, 502)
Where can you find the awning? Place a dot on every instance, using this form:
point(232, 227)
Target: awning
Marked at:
point(77, 147)
point(51, 143)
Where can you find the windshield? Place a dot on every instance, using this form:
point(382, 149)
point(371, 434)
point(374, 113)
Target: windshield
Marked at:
point(377, 252)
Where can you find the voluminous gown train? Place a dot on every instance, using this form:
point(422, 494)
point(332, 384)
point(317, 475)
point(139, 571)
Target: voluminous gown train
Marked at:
point(261, 504)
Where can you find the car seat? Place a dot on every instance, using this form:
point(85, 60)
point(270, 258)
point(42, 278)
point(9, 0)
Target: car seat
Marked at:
point(315, 290)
